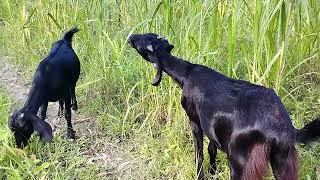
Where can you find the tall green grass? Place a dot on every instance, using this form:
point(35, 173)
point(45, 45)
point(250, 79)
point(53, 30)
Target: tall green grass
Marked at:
point(274, 43)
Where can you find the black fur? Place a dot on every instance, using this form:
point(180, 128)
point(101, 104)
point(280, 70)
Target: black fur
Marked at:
point(238, 117)
point(309, 132)
point(54, 80)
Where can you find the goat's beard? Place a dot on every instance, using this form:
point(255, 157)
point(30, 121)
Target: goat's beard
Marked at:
point(158, 77)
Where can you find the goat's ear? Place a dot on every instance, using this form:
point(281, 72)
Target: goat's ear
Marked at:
point(170, 47)
point(42, 127)
point(20, 120)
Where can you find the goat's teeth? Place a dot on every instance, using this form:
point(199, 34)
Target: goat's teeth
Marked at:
point(155, 65)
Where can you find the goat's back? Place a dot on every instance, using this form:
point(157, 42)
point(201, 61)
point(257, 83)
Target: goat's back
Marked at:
point(60, 69)
point(236, 106)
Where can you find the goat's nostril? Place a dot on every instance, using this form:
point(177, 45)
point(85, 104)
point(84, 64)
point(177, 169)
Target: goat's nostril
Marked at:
point(132, 40)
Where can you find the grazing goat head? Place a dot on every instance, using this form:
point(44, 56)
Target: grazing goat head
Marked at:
point(22, 123)
point(150, 46)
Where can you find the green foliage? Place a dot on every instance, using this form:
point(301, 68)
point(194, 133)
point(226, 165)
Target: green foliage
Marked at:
point(272, 42)
point(58, 160)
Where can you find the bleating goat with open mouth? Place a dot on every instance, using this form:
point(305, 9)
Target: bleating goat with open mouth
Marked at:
point(246, 121)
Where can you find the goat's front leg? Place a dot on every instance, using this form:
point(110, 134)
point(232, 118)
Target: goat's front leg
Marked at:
point(73, 98)
point(198, 147)
point(212, 149)
point(67, 114)
point(43, 111)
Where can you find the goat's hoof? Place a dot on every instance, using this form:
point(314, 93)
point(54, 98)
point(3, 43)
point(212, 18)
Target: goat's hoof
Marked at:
point(74, 107)
point(71, 134)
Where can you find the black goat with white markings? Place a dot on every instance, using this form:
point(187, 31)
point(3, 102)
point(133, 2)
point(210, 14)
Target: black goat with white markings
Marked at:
point(54, 80)
point(247, 121)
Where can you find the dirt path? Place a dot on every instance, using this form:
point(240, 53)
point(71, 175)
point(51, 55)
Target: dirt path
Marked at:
point(113, 161)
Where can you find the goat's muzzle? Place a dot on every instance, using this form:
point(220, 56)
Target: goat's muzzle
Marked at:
point(131, 40)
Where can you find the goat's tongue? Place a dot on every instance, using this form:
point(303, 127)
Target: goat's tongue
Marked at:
point(157, 80)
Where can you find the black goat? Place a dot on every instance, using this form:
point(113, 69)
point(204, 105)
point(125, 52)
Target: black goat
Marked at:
point(247, 121)
point(54, 80)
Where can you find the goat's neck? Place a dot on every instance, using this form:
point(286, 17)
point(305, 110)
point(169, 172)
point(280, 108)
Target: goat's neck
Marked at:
point(175, 67)
point(34, 100)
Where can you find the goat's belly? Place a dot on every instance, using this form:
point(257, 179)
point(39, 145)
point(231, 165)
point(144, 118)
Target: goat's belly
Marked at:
point(56, 94)
point(54, 99)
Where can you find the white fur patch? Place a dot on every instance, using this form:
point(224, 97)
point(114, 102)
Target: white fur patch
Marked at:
point(21, 115)
point(150, 48)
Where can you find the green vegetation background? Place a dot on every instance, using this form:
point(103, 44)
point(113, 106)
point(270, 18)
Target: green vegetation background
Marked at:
point(274, 43)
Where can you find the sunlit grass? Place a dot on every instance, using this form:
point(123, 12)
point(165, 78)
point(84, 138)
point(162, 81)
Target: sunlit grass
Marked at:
point(58, 160)
point(274, 43)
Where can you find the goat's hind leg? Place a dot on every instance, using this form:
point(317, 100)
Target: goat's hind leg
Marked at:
point(237, 166)
point(67, 114)
point(284, 163)
point(248, 156)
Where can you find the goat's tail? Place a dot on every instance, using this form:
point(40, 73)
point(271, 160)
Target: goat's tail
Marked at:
point(258, 163)
point(309, 132)
point(68, 35)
